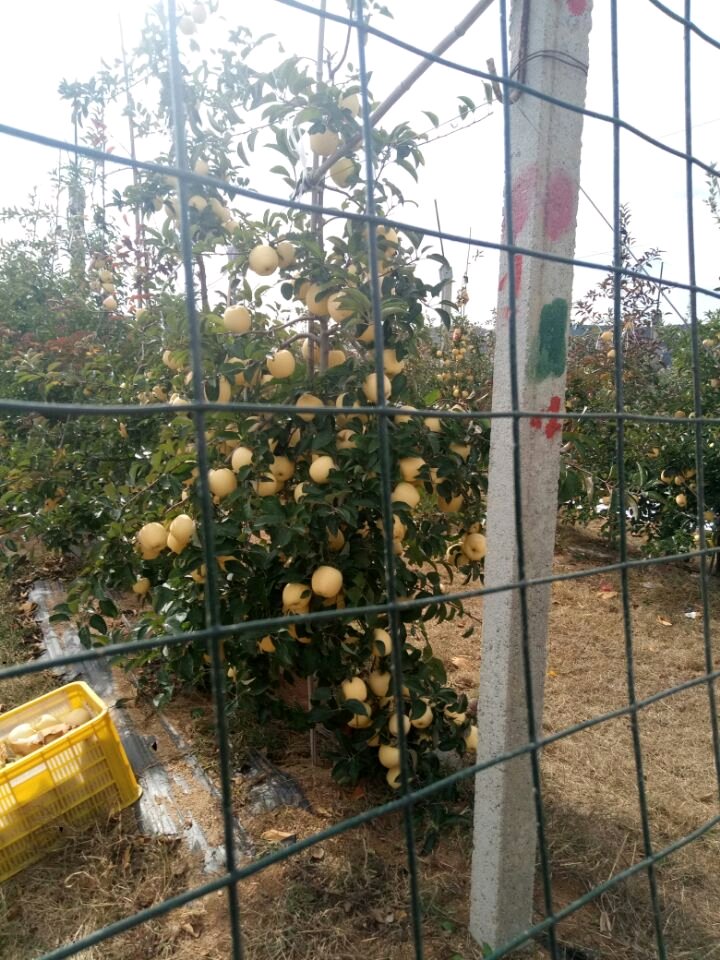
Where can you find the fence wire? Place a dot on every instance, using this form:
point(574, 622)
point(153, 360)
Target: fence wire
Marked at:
point(214, 631)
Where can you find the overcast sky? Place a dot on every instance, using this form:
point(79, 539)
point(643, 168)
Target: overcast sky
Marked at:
point(46, 40)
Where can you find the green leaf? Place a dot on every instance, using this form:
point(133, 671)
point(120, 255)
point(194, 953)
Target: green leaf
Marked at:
point(432, 117)
point(358, 708)
point(445, 317)
point(97, 623)
point(308, 114)
point(108, 608)
point(399, 385)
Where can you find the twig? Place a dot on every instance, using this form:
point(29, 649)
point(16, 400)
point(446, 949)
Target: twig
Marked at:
point(203, 284)
point(130, 110)
point(300, 336)
point(284, 326)
point(332, 71)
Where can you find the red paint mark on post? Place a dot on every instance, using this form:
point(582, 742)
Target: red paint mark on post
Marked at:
point(577, 7)
point(552, 427)
point(554, 424)
point(559, 204)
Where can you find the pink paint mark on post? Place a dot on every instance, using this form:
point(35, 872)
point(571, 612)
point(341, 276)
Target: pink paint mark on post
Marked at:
point(518, 275)
point(518, 271)
point(524, 189)
point(559, 204)
point(577, 7)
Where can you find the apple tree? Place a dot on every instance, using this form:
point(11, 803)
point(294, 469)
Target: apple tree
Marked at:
point(284, 297)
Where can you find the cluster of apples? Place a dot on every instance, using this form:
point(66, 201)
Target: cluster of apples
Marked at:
point(102, 281)
point(372, 702)
point(457, 376)
point(196, 15)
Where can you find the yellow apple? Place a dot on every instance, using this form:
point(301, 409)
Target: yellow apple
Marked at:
point(237, 319)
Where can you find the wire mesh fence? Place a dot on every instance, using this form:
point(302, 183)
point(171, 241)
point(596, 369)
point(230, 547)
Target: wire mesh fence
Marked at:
point(510, 82)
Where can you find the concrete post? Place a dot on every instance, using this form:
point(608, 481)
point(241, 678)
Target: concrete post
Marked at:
point(446, 278)
point(545, 165)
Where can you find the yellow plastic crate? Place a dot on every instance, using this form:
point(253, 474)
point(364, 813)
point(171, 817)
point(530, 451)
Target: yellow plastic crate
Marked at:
point(81, 776)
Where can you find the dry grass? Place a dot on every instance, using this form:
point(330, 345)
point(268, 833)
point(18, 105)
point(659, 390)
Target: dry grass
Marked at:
point(349, 897)
point(18, 643)
point(590, 783)
point(100, 876)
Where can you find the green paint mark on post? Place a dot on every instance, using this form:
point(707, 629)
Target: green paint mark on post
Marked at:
point(551, 349)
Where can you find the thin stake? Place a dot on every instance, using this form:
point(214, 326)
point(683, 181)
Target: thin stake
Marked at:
point(212, 602)
point(621, 487)
point(385, 491)
point(697, 395)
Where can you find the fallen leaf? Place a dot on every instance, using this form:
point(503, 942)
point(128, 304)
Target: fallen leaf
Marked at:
point(381, 916)
point(460, 663)
point(607, 594)
point(317, 853)
point(27, 607)
point(278, 836)
point(551, 673)
point(664, 621)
